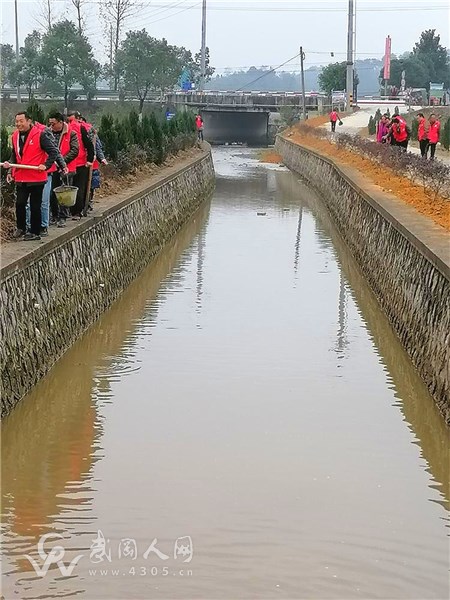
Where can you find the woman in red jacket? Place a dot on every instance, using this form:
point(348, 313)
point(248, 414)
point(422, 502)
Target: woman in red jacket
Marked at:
point(400, 132)
point(433, 134)
point(422, 135)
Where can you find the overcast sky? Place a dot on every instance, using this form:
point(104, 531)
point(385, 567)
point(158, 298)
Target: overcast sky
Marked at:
point(258, 32)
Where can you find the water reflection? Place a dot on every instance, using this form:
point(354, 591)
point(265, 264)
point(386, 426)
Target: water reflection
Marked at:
point(414, 400)
point(52, 440)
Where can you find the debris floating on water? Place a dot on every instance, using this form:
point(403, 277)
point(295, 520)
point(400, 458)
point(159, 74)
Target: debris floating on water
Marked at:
point(261, 214)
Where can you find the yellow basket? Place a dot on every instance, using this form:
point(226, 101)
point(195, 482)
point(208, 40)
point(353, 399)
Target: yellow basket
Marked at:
point(66, 194)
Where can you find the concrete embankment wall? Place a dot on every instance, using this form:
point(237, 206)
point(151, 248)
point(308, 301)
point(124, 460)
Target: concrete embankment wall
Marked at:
point(404, 256)
point(51, 294)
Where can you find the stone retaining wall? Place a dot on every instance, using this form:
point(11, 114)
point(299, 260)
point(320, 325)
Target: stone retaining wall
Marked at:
point(403, 255)
point(52, 294)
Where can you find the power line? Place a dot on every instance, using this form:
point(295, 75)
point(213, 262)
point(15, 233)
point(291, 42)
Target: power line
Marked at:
point(153, 13)
point(177, 13)
point(271, 71)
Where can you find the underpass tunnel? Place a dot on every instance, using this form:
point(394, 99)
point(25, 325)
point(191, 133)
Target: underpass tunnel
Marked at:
point(249, 127)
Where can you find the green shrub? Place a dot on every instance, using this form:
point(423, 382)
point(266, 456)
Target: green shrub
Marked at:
point(445, 135)
point(130, 159)
point(372, 126)
point(158, 139)
point(124, 135)
point(5, 148)
point(36, 113)
point(415, 129)
point(109, 137)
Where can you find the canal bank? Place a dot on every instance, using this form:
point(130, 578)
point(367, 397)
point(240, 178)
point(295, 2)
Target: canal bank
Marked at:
point(53, 291)
point(403, 255)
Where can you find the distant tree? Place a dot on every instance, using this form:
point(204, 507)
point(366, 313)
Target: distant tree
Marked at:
point(67, 57)
point(27, 70)
point(7, 60)
point(334, 77)
point(146, 63)
point(197, 68)
point(429, 50)
point(428, 62)
point(137, 62)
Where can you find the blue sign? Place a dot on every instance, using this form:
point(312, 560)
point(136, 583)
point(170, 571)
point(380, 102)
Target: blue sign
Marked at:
point(169, 115)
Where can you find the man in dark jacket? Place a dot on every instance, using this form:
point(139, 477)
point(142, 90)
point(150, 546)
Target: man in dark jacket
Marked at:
point(84, 160)
point(67, 142)
point(34, 145)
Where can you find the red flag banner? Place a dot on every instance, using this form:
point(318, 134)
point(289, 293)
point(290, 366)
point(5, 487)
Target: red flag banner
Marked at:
point(387, 59)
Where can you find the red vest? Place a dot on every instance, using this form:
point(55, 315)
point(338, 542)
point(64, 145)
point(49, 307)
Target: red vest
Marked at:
point(421, 133)
point(81, 159)
point(32, 154)
point(433, 132)
point(64, 148)
point(399, 131)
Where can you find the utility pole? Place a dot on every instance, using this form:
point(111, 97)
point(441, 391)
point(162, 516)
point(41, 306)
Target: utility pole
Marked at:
point(19, 98)
point(111, 83)
point(302, 58)
point(350, 53)
point(203, 50)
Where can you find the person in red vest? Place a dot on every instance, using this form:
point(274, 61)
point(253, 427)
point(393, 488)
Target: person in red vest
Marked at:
point(399, 131)
point(334, 118)
point(99, 158)
point(84, 161)
point(200, 127)
point(422, 135)
point(67, 141)
point(433, 134)
point(32, 144)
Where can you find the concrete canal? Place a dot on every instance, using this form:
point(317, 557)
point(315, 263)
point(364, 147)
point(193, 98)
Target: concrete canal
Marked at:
point(242, 423)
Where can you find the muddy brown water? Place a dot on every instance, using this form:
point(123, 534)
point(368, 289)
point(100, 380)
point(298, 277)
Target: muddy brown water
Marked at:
point(242, 423)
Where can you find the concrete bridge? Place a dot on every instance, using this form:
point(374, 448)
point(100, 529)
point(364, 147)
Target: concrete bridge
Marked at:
point(243, 117)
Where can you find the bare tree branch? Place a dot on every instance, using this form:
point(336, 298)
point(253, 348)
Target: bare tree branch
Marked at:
point(115, 13)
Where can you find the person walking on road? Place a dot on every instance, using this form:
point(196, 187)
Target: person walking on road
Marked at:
point(84, 161)
point(67, 141)
point(334, 118)
point(433, 134)
point(32, 144)
point(422, 135)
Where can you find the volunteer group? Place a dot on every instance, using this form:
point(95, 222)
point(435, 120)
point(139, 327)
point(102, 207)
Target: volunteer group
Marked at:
point(396, 132)
point(66, 152)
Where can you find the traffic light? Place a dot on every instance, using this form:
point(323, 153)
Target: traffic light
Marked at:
point(351, 99)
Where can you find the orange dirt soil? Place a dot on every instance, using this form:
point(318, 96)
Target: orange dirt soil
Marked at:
point(423, 201)
point(270, 156)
